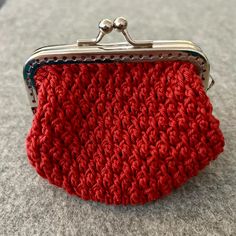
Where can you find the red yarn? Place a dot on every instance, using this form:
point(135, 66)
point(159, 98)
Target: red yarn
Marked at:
point(122, 133)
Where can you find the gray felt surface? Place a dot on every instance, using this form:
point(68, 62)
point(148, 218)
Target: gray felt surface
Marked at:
point(206, 205)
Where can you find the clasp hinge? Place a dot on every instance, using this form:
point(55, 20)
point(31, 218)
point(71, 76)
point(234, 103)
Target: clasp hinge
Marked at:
point(211, 83)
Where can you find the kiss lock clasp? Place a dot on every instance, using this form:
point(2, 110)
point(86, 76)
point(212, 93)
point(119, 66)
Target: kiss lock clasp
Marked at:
point(120, 24)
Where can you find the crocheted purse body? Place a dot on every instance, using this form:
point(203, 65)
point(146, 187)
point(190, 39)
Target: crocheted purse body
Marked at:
point(121, 123)
point(122, 133)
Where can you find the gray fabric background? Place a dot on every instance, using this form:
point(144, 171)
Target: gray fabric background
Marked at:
point(206, 205)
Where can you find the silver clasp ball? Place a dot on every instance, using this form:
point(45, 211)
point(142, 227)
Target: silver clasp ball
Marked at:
point(106, 26)
point(120, 24)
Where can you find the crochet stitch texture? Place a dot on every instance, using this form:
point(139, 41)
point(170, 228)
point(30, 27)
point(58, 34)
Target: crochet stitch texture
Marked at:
point(122, 133)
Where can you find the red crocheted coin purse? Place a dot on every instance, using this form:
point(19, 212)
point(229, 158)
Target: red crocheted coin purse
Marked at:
point(119, 132)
